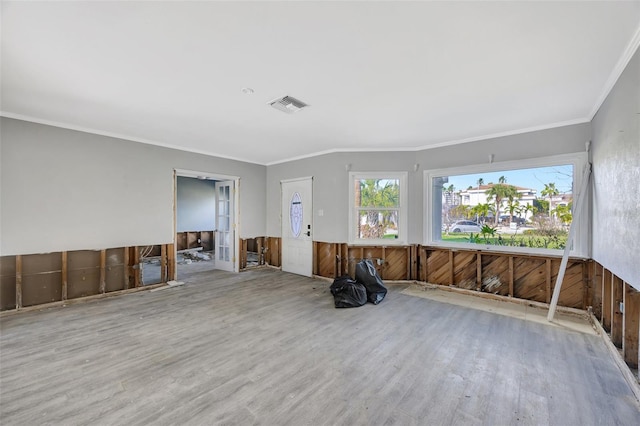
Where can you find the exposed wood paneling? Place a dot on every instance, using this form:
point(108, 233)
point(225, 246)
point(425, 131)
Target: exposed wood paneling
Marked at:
point(607, 303)
point(529, 279)
point(115, 269)
point(631, 332)
point(84, 270)
point(7, 282)
point(573, 284)
point(495, 274)
point(438, 269)
point(617, 292)
point(464, 269)
point(596, 282)
point(41, 278)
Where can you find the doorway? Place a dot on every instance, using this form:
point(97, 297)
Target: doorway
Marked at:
point(297, 229)
point(209, 202)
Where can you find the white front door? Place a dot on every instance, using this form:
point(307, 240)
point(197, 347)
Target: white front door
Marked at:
point(297, 215)
point(225, 226)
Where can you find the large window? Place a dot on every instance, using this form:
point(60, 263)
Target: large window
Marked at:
point(512, 206)
point(378, 208)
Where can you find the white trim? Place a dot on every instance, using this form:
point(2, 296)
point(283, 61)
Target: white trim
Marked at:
point(579, 161)
point(617, 71)
point(296, 179)
point(403, 232)
point(437, 144)
point(300, 157)
point(121, 136)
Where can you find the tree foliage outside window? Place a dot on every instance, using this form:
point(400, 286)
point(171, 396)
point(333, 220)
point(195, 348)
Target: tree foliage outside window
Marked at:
point(377, 202)
point(525, 208)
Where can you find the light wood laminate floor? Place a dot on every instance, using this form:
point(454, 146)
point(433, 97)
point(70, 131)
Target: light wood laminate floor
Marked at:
point(267, 347)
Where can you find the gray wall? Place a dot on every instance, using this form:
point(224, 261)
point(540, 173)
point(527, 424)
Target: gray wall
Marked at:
point(330, 185)
point(68, 190)
point(196, 209)
point(616, 177)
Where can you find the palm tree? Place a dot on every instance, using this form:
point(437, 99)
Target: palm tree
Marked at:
point(480, 183)
point(481, 211)
point(549, 191)
point(500, 192)
point(512, 207)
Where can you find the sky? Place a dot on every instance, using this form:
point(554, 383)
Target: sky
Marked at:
point(534, 178)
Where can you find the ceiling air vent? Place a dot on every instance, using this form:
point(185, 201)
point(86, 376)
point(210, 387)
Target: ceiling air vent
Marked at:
point(288, 104)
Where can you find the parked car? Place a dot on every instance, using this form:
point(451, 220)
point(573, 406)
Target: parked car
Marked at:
point(514, 219)
point(465, 226)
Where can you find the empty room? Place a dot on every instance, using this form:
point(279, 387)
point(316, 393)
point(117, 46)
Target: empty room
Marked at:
point(319, 213)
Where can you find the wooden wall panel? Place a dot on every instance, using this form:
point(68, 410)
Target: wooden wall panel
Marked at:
point(396, 263)
point(596, 286)
point(573, 285)
point(181, 241)
point(41, 278)
point(617, 292)
point(115, 269)
point(438, 267)
point(495, 274)
point(7, 282)
point(207, 240)
point(631, 326)
point(530, 279)
point(606, 300)
point(83, 273)
point(273, 253)
point(326, 261)
point(464, 268)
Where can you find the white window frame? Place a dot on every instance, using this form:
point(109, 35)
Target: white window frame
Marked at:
point(402, 207)
point(578, 160)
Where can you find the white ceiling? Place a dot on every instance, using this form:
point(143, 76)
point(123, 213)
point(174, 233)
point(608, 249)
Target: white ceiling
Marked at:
point(378, 75)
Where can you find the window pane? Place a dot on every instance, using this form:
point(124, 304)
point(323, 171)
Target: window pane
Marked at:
point(378, 224)
point(377, 193)
point(518, 208)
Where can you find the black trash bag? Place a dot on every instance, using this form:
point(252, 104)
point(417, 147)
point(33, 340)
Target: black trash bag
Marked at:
point(347, 293)
point(367, 275)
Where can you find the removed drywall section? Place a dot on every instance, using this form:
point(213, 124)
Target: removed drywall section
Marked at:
point(616, 177)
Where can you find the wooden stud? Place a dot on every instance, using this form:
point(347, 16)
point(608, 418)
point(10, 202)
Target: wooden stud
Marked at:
point(451, 269)
point(103, 272)
point(137, 273)
point(383, 267)
point(547, 278)
point(163, 263)
point(64, 276)
point(336, 260)
point(631, 326)
point(606, 299)
point(172, 270)
point(617, 295)
point(478, 271)
point(511, 279)
point(18, 282)
point(127, 268)
point(315, 260)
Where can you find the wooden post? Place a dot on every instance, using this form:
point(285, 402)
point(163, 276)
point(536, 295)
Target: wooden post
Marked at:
point(137, 273)
point(172, 270)
point(103, 272)
point(336, 259)
point(452, 276)
point(478, 271)
point(631, 326)
point(511, 290)
point(616, 322)
point(127, 266)
point(65, 276)
point(163, 263)
point(606, 299)
point(547, 275)
point(18, 282)
point(413, 273)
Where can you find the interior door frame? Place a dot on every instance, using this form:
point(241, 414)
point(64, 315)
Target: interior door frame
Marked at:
point(236, 209)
